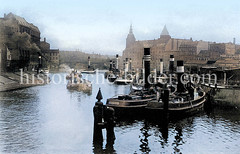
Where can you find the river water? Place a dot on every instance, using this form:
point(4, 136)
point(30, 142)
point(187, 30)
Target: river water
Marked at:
point(52, 119)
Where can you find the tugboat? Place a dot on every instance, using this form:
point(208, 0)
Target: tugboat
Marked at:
point(126, 105)
point(134, 103)
point(112, 77)
point(89, 70)
point(186, 100)
point(113, 72)
point(122, 81)
point(126, 76)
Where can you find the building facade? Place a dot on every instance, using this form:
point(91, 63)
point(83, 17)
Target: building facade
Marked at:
point(192, 52)
point(21, 40)
point(52, 56)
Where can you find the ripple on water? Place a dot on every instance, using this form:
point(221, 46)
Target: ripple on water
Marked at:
point(51, 119)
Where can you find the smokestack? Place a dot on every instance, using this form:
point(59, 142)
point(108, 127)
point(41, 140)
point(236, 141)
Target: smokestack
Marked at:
point(180, 72)
point(111, 65)
point(117, 62)
point(44, 39)
point(171, 64)
point(234, 40)
point(130, 64)
point(89, 62)
point(147, 60)
point(161, 66)
point(126, 65)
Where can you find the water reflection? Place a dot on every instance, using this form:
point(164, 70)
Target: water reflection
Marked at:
point(178, 139)
point(19, 130)
point(99, 148)
point(168, 134)
point(52, 119)
point(144, 138)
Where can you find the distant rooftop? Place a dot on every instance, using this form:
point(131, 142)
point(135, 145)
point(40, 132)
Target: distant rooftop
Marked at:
point(164, 31)
point(22, 21)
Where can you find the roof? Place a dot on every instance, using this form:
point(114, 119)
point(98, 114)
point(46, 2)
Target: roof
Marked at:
point(22, 21)
point(227, 61)
point(190, 62)
point(164, 31)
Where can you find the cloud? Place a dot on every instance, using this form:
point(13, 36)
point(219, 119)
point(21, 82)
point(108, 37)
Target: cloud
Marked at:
point(102, 26)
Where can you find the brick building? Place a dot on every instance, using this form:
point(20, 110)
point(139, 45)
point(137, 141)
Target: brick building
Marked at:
point(52, 55)
point(3, 58)
point(21, 40)
point(190, 51)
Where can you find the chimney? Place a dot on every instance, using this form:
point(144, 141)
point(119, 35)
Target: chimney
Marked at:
point(161, 66)
point(89, 62)
point(130, 64)
point(180, 72)
point(117, 62)
point(114, 65)
point(234, 40)
point(5, 15)
point(111, 65)
point(147, 60)
point(126, 65)
point(44, 39)
point(171, 64)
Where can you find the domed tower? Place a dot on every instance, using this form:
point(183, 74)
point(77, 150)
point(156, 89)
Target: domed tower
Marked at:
point(130, 38)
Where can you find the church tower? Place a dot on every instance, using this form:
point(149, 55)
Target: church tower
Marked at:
point(130, 38)
point(165, 35)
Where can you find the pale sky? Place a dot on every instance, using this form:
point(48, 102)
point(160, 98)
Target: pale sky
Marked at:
point(101, 26)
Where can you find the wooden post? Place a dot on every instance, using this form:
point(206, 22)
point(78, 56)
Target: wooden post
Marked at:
point(109, 119)
point(98, 116)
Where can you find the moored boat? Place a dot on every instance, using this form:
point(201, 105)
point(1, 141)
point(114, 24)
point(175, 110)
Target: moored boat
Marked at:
point(89, 71)
point(125, 105)
point(75, 82)
point(44, 71)
point(83, 85)
point(187, 99)
point(121, 81)
point(112, 77)
point(178, 105)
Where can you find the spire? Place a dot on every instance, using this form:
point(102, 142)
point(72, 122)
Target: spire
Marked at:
point(130, 30)
point(164, 31)
point(130, 38)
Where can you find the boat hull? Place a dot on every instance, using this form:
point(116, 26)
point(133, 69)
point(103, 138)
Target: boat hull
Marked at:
point(188, 108)
point(111, 79)
point(88, 72)
point(122, 82)
point(80, 87)
point(127, 108)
